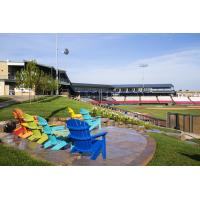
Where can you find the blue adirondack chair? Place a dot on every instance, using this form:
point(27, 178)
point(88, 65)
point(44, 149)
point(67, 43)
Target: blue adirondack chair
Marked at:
point(93, 122)
point(84, 142)
point(58, 142)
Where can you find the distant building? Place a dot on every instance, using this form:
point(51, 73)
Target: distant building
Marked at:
point(8, 71)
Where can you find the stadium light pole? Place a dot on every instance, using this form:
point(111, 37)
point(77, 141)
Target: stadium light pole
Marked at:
point(66, 52)
point(143, 66)
point(57, 63)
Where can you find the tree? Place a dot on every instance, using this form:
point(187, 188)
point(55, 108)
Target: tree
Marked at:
point(29, 77)
point(52, 84)
point(44, 83)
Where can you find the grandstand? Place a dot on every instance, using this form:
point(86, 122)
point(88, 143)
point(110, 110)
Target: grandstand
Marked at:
point(132, 99)
point(181, 100)
point(165, 99)
point(151, 100)
point(148, 100)
point(195, 100)
point(119, 98)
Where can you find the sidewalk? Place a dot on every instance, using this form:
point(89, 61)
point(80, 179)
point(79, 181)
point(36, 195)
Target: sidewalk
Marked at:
point(15, 99)
point(7, 103)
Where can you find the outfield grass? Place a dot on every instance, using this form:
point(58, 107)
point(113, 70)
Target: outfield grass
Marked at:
point(4, 99)
point(158, 113)
point(51, 106)
point(10, 156)
point(173, 152)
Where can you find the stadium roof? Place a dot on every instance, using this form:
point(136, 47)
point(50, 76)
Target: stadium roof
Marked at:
point(168, 85)
point(123, 85)
point(90, 85)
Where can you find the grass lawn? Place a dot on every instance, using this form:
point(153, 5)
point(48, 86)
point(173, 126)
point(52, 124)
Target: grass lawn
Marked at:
point(159, 113)
point(51, 106)
point(4, 99)
point(173, 152)
point(48, 107)
point(10, 156)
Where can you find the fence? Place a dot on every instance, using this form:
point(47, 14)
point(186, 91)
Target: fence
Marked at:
point(184, 122)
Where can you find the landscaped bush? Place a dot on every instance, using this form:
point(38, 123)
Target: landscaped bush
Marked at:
point(119, 117)
point(116, 116)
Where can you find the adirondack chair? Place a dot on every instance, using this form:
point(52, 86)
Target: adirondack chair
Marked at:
point(38, 135)
point(56, 135)
point(83, 142)
point(18, 115)
point(73, 115)
point(92, 121)
point(28, 125)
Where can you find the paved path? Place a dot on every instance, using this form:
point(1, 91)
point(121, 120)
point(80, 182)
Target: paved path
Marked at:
point(15, 99)
point(124, 147)
point(7, 103)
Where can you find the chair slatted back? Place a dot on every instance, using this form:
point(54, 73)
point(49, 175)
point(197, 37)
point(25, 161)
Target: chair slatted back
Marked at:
point(86, 114)
point(43, 122)
point(80, 134)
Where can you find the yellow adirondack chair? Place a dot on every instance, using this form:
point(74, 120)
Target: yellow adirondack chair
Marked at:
point(73, 115)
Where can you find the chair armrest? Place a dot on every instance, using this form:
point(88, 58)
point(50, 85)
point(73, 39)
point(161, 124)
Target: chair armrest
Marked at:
point(98, 135)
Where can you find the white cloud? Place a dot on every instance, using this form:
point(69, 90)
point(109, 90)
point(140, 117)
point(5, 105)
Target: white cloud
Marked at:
point(180, 68)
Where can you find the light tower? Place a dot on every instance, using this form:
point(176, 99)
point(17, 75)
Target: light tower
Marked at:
point(66, 52)
point(143, 66)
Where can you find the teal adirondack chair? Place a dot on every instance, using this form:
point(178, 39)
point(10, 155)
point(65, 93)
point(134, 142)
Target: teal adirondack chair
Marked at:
point(56, 135)
point(93, 122)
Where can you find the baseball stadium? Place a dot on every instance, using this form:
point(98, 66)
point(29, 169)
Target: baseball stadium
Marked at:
point(48, 119)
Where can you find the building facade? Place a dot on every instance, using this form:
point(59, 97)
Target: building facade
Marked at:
point(9, 69)
point(8, 72)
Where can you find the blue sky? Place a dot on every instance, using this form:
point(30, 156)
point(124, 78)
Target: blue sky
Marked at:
point(113, 58)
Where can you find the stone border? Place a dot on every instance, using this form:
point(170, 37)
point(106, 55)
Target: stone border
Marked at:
point(147, 154)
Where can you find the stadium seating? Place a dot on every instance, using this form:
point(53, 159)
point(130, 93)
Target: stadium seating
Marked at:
point(164, 99)
point(119, 98)
point(181, 100)
point(132, 99)
point(195, 100)
point(149, 99)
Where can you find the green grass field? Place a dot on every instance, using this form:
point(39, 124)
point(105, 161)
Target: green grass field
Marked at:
point(51, 106)
point(160, 111)
point(10, 156)
point(173, 152)
point(48, 107)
